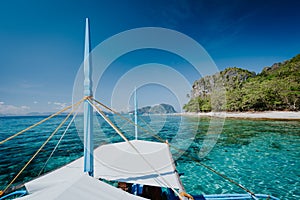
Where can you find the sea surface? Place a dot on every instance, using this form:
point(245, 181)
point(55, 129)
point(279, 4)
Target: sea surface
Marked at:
point(261, 155)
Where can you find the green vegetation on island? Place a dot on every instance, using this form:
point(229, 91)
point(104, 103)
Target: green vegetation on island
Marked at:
point(275, 88)
point(155, 109)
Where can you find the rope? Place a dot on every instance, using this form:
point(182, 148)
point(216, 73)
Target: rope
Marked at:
point(225, 177)
point(60, 139)
point(108, 121)
point(37, 152)
point(210, 169)
point(40, 122)
point(118, 131)
point(151, 129)
point(206, 166)
point(179, 150)
point(123, 136)
point(130, 121)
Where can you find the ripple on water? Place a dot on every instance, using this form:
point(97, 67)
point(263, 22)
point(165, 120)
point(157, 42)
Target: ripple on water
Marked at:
point(261, 155)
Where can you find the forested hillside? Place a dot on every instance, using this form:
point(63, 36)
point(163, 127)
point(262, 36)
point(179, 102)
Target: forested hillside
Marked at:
point(275, 88)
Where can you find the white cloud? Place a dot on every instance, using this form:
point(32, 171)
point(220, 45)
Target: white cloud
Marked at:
point(1, 102)
point(25, 107)
point(35, 102)
point(13, 110)
point(59, 105)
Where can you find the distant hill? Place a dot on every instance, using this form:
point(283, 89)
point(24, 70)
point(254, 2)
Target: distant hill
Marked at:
point(275, 88)
point(42, 113)
point(156, 109)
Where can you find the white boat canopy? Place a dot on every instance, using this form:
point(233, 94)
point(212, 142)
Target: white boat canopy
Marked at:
point(148, 163)
point(69, 182)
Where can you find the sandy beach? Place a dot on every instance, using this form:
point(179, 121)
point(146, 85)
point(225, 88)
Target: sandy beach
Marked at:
point(286, 115)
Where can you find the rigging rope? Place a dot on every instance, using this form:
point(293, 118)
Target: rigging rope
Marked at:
point(130, 121)
point(123, 136)
point(179, 150)
point(60, 139)
point(206, 166)
point(34, 125)
point(119, 132)
point(48, 139)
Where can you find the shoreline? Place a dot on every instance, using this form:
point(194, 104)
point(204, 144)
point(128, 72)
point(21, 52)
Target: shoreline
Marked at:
point(282, 115)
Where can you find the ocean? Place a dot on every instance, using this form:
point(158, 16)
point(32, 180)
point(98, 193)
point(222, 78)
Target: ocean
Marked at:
point(261, 155)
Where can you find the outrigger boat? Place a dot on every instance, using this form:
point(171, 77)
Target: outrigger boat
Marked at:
point(141, 169)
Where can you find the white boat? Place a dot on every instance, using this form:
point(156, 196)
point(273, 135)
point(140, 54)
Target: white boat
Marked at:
point(142, 169)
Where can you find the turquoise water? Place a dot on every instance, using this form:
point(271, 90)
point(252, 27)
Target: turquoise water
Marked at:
point(262, 155)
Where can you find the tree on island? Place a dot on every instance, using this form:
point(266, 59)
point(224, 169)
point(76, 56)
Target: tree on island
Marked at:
point(275, 88)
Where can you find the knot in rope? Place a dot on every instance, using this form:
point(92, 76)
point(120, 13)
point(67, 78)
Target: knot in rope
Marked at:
point(88, 97)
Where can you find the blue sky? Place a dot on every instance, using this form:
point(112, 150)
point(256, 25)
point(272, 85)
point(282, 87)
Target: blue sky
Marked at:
point(42, 41)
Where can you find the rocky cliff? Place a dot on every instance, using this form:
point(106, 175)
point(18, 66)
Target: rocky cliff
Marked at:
point(275, 88)
point(230, 77)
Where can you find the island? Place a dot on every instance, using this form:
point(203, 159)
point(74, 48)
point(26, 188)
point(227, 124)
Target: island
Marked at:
point(276, 88)
point(155, 109)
